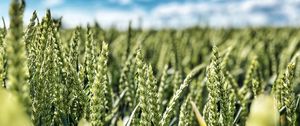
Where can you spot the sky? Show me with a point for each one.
(166, 13)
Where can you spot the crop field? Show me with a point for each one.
(90, 76)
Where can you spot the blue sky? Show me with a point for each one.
(166, 13)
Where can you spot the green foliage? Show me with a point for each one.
(50, 75)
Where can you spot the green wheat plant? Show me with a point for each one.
(51, 75)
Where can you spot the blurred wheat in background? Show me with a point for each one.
(93, 76)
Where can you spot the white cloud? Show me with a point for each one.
(74, 17)
(51, 3)
(224, 14)
(216, 14)
(122, 2)
(119, 18)
(106, 18)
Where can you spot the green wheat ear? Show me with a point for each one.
(142, 88)
(29, 33)
(57, 89)
(288, 99)
(16, 56)
(283, 92)
(39, 84)
(152, 96)
(174, 100)
(185, 112)
(126, 82)
(88, 71)
(214, 86)
(161, 89)
(250, 75)
(99, 88)
(73, 50)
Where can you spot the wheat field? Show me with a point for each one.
(91, 76)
